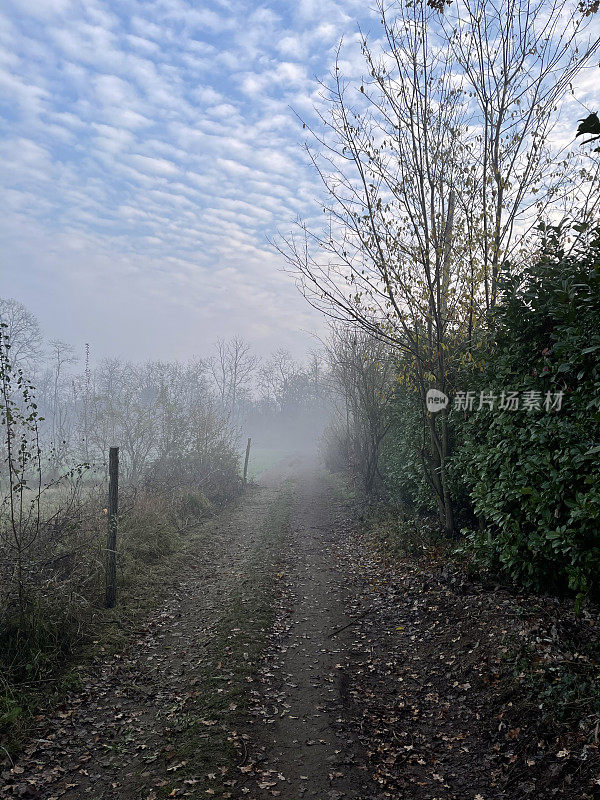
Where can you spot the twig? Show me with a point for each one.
(8, 754)
(245, 758)
(343, 628)
(354, 622)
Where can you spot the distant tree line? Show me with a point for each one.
(159, 412)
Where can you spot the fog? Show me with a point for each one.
(159, 411)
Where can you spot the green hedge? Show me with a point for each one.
(533, 475)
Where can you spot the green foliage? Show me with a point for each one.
(403, 468)
(193, 506)
(558, 674)
(10, 711)
(533, 473)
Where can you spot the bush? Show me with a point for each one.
(148, 532)
(533, 474)
(192, 507)
(405, 480)
(214, 473)
(335, 447)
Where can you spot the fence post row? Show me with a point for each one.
(113, 509)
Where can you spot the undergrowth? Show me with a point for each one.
(65, 620)
(557, 675)
(555, 672)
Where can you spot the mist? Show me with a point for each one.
(156, 408)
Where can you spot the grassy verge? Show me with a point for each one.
(68, 630)
(205, 738)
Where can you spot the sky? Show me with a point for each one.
(149, 149)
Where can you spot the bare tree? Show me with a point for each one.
(62, 356)
(393, 257)
(23, 333)
(232, 368)
(518, 60)
(276, 376)
(363, 371)
(124, 411)
(26, 524)
(423, 210)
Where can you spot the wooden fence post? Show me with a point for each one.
(246, 462)
(113, 509)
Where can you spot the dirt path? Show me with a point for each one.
(303, 746)
(148, 712)
(173, 714)
(295, 661)
(394, 678)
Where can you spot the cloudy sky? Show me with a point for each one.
(148, 149)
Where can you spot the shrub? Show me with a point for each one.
(534, 477)
(335, 447)
(148, 531)
(402, 466)
(192, 507)
(215, 473)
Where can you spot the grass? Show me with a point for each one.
(68, 628)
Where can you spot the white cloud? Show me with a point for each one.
(292, 47)
(29, 97)
(290, 73)
(152, 151)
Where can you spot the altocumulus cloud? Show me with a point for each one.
(148, 150)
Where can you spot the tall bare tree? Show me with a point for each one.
(362, 369)
(24, 334)
(517, 61)
(232, 368)
(424, 207)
